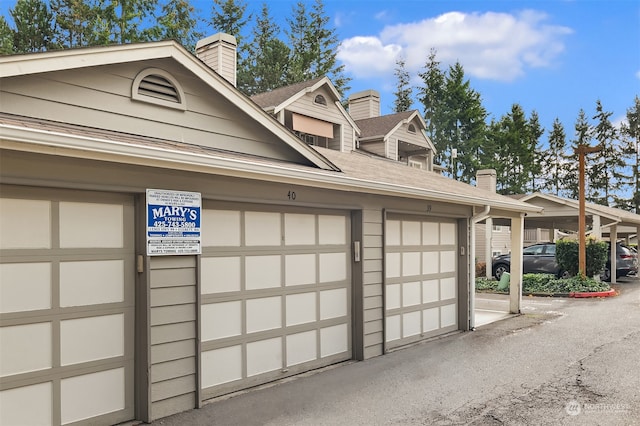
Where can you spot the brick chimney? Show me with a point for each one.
(365, 104)
(486, 179)
(219, 53)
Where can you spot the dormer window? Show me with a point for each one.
(320, 100)
(411, 128)
(158, 87)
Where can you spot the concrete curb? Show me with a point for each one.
(608, 293)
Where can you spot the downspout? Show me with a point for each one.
(472, 270)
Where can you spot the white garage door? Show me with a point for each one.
(66, 307)
(421, 278)
(275, 291)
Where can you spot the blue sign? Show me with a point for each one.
(173, 222)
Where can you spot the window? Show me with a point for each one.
(496, 228)
(320, 100)
(415, 164)
(411, 128)
(158, 87)
(496, 253)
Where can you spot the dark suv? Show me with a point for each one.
(541, 259)
(538, 258)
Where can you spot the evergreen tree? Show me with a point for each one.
(228, 16)
(313, 45)
(534, 169)
(607, 172)
(583, 136)
(631, 132)
(552, 160)
(403, 93)
(6, 37)
(515, 151)
(177, 21)
(34, 26)
(123, 21)
(74, 19)
(267, 58)
(431, 96)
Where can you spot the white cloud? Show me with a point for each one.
(496, 46)
(367, 56)
(638, 75)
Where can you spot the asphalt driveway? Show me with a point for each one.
(563, 361)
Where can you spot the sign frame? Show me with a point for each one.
(173, 221)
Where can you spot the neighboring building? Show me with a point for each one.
(399, 137)
(313, 111)
(310, 256)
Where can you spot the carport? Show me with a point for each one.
(562, 213)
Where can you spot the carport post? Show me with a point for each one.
(613, 253)
(515, 283)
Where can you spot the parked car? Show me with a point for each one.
(541, 259)
(538, 258)
(626, 262)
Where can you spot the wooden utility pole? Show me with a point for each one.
(582, 225)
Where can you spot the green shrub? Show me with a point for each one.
(547, 284)
(568, 259)
(485, 284)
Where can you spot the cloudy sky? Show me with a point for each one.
(552, 56)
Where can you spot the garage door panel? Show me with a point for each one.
(25, 224)
(66, 305)
(38, 398)
(288, 310)
(25, 287)
(421, 278)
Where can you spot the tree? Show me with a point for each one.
(74, 19)
(606, 173)
(177, 21)
(266, 64)
(583, 136)
(514, 151)
(430, 95)
(631, 132)
(6, 37)
(552, 160)
(34, 26)
(534, 169)
(313, 47)
(228, 16)
(403, 93)
(123, 21)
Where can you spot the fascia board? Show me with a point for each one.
(83, 147)
(96, 56)
(569, 203)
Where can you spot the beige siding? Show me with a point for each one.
(173, 334)
(103, 95)
(500, 242)
(372, 271)
(417, 138)
(377, 148)
(343, 130)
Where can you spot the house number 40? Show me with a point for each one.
(291, 195)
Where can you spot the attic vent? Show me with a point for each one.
(412, 128)
(320, 100)
(158, 87)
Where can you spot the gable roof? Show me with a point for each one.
(19, 65)
(383, 126)
(282, 97)
(360, 173)
(278, 96)
(613, 216)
